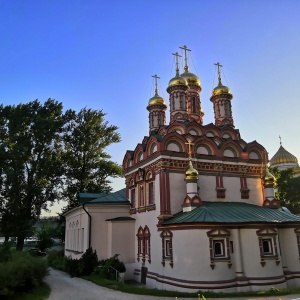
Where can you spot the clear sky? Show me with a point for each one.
(102, 54)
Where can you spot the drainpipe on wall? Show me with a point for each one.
(90, 223)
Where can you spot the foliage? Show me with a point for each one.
(5, 254)
(87, 165)
(41, 292)
(22, 273)
(108, 267)
(88, 262)
(47, 155)
(45, 235)
(30, 163)
(288, 188)
(75, 267)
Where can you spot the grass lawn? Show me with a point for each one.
(141, 290)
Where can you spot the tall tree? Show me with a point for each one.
(288, 188)
(30, 162)
(87, 165)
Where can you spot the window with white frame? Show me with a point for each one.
(219, 246)
(268, 248)
(167, 247)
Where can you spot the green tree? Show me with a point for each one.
(87, 165)
(45, 235)
(288, 188)
(30, 164)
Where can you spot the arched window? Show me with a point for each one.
(153, 148)
(167, 247)
(144, 246)
(194, 105)
(254, 155)
(229, 152)
(204, 149)
(174, 146)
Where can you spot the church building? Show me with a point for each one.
(198, 211)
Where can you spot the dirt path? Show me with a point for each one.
(63, 287)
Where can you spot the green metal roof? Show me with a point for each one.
(118, 197)
(232, 212)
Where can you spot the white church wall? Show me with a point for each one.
(121, 240)
(255, 193)
(76, 237)
(252, 263)
(99, 234)
(207, 185)
(177, 191)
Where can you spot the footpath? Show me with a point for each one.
(63, 287)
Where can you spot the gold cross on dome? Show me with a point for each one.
(189, 143)
(177, 62)
(185, 49)
(219, 66)
(155, 78)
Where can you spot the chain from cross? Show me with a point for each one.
(185, 49)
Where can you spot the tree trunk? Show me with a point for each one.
(6, 238)
(20, 243)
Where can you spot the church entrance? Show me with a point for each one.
(144, 275)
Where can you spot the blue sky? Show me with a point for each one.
(102, 54)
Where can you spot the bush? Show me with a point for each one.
(88, 262)
(5, 254)
(107, 268)
(75, 267)
(22, 273)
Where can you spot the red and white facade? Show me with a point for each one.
(189, 170)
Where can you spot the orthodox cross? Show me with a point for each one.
(185, 49)
(219, 72)
(189, 143)
(280, 140)
(156, 89)
(177, 67)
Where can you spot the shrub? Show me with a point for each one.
(107, 268)
(5, 254)
(88, 262)
(22, 273)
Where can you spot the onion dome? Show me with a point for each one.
(191, 173)
(156, 100)
(282, 156)
(269, 178)
(191, 78)
(220, 89)
(178, 80)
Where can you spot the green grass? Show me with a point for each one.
(140, 290)
(40, 293)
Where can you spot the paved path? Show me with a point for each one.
(63, 287)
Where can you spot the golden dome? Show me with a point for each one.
(282, 156)
(269, 178)
(191, 173)
(191, 78)
(220, 89)
(178, 80)
(157, 100)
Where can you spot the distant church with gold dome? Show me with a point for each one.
(283, 160)
(198, 211)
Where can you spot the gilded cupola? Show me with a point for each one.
(282, 156)
(156, 99)
(220, 89)
(177, 80)
(269, 178)
(191, 173)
